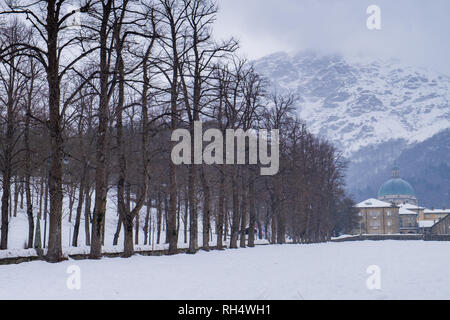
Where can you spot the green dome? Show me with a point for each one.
(396, 186)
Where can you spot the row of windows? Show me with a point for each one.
(376, 224)
(374, 214)
(432, 215)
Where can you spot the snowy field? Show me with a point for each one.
(409, 270)
(18, 231)
(18, 226)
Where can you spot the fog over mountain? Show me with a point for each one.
(413, 31)
(375, 111)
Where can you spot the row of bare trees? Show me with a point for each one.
(88, 108)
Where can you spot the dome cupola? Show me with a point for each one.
(396, 189)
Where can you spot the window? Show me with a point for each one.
(389, 213)
(389, 223)
(360, 214)
(374, 214)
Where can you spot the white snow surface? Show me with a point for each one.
(373, 203)
(403, 210)
(18, 231)
(426, 223)
(409, 270)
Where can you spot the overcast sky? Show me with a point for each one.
(415, 31)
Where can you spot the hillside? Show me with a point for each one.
(375, 112)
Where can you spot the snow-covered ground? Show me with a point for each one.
(408, 270)
(18, 226)
(18, 230)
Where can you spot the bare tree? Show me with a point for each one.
(13, 85)
(104, 13)
(50, 25)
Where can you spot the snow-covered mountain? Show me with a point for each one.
(357, 104)
(375, 112)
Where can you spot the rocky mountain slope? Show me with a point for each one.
(373, 110)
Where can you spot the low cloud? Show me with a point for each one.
(414, 31)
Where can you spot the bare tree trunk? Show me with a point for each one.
(8, 150)
(158, 219)
(123, 186)
(206, 209)
(252, 212)
(72, 189)
(235, 216)
(178, 215)
(259, 223)
(281, 225)
(16, 194)
(186, 214)
(29, 201)
(83, 182)
(37, 236)
(171, 214)
(147, 220)
(221, 213)
(193, 214)
(165, 219)
(267, 223)
(136, 230)
(274, 229)
(6, 188)
(128, 237)
(46, 213)
(117, 233)
(101, 179)
(28, 159)
(22, 192)
(243, 210)
(11, 204)
(87, 216)
(54, 251)
(76, 228)
(225, 218)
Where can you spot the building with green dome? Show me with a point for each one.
(396, 211)
(396, 190)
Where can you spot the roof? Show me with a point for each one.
(411, 206)
(403, 210)
(426, 223)
(437, 211)
(396, 186)
(374, 203)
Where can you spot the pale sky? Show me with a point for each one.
(414, 31)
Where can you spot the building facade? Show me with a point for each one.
(377, 217)
(408, 220)
(434, 214)
(442, 227)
